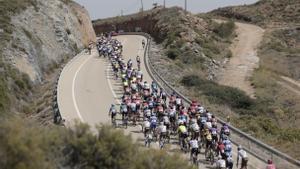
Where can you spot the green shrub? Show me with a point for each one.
(191, 80)
(27, 145)
(219, 94)
(233, 97)
(224, 30)
(229, 54)
(173, 53)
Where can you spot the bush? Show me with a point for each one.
(224, 30)
(233, 97)
(191, 80)
(218, 94)
(173, 53)
(27, 145)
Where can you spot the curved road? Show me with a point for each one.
(86, 89)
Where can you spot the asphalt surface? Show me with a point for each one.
(87, 88)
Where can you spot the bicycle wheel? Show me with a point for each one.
(211, 157)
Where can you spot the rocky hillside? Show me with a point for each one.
(36, 36)
(265, 12)
(188, 40)
(45, 33)
(277, 79)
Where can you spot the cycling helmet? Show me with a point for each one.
(208, 137)
(180, 122)
(270, 161)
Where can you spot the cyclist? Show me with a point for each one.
(221, 148)
(214, 133)
(138, 61)
(194, 147)
(143, 43)
(112, 112)
(221, 163)
(270, 165)
(242, 154)
(166, 121)
(209, 144)
(229, 162)
(162, 129)
(146, 86)
(153, 122)
(178, 102)
(182, 132)
(146, 126)
(195, 129)
(163, 95)
(123, 110)
(154, 87)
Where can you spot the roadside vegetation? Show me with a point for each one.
(14, 85)
(277, 121)
(264, 11)
(27, 145)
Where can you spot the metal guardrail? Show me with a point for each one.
(255, 147)
(57, 118)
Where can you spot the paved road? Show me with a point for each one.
(86, 89)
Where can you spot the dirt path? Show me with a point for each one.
(240, 67)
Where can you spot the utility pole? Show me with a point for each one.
(121, 12)
(164, 3)
(142, 6)
(185, 6)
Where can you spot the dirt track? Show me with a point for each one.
(238, 70)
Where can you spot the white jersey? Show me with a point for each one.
(172, 112)
(242, 154)
(178, 101)
(146, 86)
(166, 119)
(163, 128)
(147, 124)
(148, 112)
(133, 86)
(221, 163)
(208, 125)
(194, 144)
(209, 115)
(195, 127)
(201, 109)
(139, 74)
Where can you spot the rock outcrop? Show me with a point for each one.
(46, 33)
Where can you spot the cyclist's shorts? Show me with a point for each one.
(153, 125)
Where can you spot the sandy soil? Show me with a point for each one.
(238, 70)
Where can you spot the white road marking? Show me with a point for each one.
(73, 88)
(110, 85)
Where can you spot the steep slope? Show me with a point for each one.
(189, 40)
(265, 12)
(277, 78)
(45, 34)
(37, 36)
